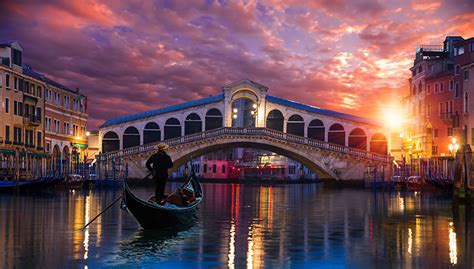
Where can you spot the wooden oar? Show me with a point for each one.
(109, 206)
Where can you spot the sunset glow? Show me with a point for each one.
(330, 54)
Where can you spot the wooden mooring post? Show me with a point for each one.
(463, 189)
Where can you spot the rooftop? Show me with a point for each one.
(155, 112)
(321, 111)
(27, 70)
(220, 97)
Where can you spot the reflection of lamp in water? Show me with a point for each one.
(453, 253)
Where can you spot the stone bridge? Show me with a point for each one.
(329, 161)
(330, 143)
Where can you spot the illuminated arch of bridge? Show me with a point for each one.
(245, 106)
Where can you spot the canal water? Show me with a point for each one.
(241, 226)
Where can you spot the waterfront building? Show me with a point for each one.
(65, 126)
(21, 114)
(464, 85)
(40, 118)
(434, 105)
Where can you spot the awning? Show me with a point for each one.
(30, 100)
(79, 145)
(7, 152)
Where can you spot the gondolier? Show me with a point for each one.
(158, 164)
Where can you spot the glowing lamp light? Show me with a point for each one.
(252, 112)
(235, 110)
(453, 146)
(254, 106)
(88, 133)
(234, 116)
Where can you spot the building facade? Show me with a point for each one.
(434, 105)
(65, 126)
(42, 121)
(464, 85)
(21, 114)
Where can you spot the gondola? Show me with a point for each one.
(151, 215)
(20, 185)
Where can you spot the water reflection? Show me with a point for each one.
(242, 226)
(453, 253)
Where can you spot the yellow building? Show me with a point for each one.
(21, 114)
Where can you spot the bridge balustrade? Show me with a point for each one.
(249, 131)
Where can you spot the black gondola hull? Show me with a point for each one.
(153, 216)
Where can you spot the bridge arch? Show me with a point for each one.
(337, 134)
(316, 165)
(358, 139)
(316, 130)
(151, 133)
(275, 120)
(110, 142)
(379, 144)
(172, 128)
(295, 125)
(131, 137)
(213, 119)
(192, 124)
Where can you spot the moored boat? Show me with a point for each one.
(151, 215)
(20, 185)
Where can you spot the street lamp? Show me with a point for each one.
(453, 146)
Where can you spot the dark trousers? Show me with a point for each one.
(160, 185)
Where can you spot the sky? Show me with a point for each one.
(131, 56)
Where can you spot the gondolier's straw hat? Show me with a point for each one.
(161, 146)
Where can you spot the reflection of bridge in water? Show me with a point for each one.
(333, 144)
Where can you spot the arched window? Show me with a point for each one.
(131, 137)
(337, 135)
(378, 144)
(316, 130)
(110, 142)
(358, 139)
(192, 124)
(295, 125)
(172, 128)
(213, 119)
(243, 113)
(66, 153)
(151, 133)
(275, 120)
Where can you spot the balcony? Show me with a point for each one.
(32, 120)
(447, 116)
(435, 48)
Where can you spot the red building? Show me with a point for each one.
(463, 83)
(434, 104)
(219, 169)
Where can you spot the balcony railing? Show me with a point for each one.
(32, 119)
(439, 48)
(261, 132)
(446, 115)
